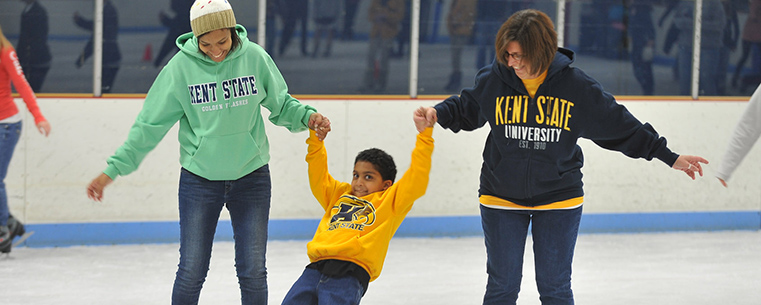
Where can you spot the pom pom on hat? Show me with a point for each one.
(210, 15)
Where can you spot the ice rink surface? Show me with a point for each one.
(685, 268)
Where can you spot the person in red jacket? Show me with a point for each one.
(10, 130)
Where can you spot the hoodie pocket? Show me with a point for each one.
(336, 243)
(507, 178)
(225, 156)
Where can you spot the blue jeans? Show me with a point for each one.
(201, 201)
(9, 135)
(554, 233)
(315, 288)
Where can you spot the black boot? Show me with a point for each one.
(15, 227)
(6, 239)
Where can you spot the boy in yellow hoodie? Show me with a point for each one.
(351, 242)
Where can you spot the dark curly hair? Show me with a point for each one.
(381, 161)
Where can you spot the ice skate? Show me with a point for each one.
(6, 238)
(15, 227)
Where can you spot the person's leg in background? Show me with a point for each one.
(9, 136)
(350, 7)
(383, 65)
(753, 78)
(723, 66)
(485, 34)
(109, 75)
(642, 66)
(457, 43)
(35, 76)
(684, 60)
(741, 62)
(709, 71)
(368, 83)
(288, 17)
(303, 12)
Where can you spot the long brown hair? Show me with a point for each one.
(534, 32)
(3, 41)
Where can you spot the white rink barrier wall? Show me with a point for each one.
(47, 177)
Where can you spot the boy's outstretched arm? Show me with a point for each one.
(413, 184)
(324, 187)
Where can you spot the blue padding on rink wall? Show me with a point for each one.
(62, 235)
(666, 222)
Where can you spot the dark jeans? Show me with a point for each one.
(201, 201)
(554, 234)
(314, 287)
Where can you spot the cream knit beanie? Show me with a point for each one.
(210, 15)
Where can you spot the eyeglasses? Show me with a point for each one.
(515, 56)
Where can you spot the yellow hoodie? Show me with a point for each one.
(356, 229)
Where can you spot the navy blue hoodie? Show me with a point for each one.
(531, 156)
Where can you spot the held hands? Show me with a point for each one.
(424, 117)
(95, 189)
(44, 128)
(689, 165)
(320, 124)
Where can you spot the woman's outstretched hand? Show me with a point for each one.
(320, 124)
(95, 189)
(690, 165)
(424, 117)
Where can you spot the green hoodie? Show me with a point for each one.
(221, 134)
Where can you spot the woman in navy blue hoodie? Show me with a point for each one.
(537, 107)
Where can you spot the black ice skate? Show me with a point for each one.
(14, 230)
(16, 227)
(6, 238)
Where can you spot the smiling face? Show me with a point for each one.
(216, 44)
(515, 59)
(367, 180)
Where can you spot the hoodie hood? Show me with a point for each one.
(188, 44)
(563, 59)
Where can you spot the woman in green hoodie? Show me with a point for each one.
(215, 87)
